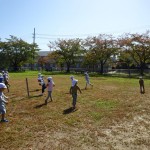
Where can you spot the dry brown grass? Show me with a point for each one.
(113, 115)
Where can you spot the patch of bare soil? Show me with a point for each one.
(132, 133)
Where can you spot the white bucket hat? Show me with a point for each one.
(49, 78)
(72, 77)
(2, 86)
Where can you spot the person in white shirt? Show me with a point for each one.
(72, 78)
(87, 78)
(49, 86)
(41, 82)
(3, 102)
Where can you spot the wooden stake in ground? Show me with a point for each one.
(27, 86)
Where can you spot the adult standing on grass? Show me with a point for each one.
(3, 102)
(87, 78)
(141, 83)
(73, 91)
(49, 86)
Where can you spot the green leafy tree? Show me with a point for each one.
(42, 61)
(138, 47)
(4, 59)
(69, 50)
(89, 60)
(125, 57)
(17, 52)
(101, 48)
(54, 57)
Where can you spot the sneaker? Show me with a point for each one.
(4, 120)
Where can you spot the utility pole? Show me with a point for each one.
(32, 65)
(34, 36)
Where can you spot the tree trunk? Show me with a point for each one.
(102, 68)
(68, 68)
(141, 71)
(93, 68)
(129, 72)
(15, 67)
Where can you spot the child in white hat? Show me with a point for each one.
(41, 82)
(39, 77)
(49, 86)
(6, 77)
(73, 90)
(87, 78)
(3, 102)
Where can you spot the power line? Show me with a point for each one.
(45, 38)
(90, 34)
(66, 35)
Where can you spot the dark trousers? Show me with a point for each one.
(43, 88)
(74, 101)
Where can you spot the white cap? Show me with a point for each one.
(49, 78)
(71, 77)
(2, 85)
(140, 77)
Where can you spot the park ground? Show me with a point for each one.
(113, 115)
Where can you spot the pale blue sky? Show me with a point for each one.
(71, 18)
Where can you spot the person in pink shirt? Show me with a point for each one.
(49, 86)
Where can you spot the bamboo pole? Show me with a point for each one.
(27, 86)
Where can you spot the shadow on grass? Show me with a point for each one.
(35, 90)
(67, 93)
(69, 110)
(40, 105)
(35, 96)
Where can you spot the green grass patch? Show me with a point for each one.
(97, 115)
(106, 104)
(110, 99)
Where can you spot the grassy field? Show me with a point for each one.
(111, 116)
